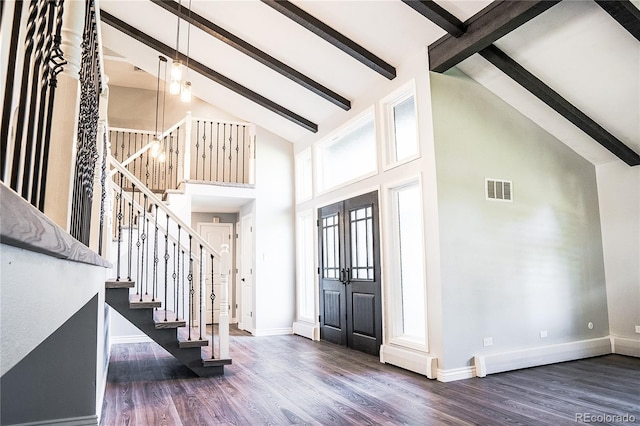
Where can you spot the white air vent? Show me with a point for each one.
(499, 190)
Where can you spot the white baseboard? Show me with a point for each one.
(135, 338)
(273, 331)
(305, 329)
(625, 346)
(541, 355)
(454, 374)
(418, 362)
(72, 421)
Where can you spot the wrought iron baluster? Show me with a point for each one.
(155, 257)
(212, 296)
(145, 232)
(39, 142)
(201, 279)
(103, 191)
(171, 161)
(133, 189)
(224, 147)
(119, 216)
(244, 153)
(178, 287)
(135, 149)
(197, 145)
(237, 150)
(174, 261)
(210, 151)
(166, 268)
(56, 63)
(204, 149)
(177, 155)
(138, 264)
(23, 102)
(217, 149)
(147, 174)
(8, 95)
(191, 291)
(181, 287)
(230, 147)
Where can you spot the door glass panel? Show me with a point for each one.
(330, 247)
(361, 227)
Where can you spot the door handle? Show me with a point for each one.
(342, 276)
(347, 276)
(242, 279)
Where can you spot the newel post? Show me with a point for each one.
(187, 147)
(223, 321)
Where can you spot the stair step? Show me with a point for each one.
(215, 362)
(147, 302)
(159, 316)
(112, 283)
(184, 342)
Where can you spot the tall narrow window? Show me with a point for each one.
(303, 176)
(347, 156)
(305, 266)
(402, 129)
(409, 292)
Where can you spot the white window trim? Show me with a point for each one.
(339, 133)
(386, 108)
(391, 270)
(300, 251)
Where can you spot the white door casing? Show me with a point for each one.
(245, 318)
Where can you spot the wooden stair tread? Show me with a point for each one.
(112, 283)
(208, 362)
(159, 319)
(147, 302)
(184, 342)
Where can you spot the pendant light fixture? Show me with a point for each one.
(176, 65)
(185, 91)
(162, 155)
(155, 144)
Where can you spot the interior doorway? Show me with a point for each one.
(245, 284)
(350, 279)
(216, 234)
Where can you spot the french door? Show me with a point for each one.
(349, 250)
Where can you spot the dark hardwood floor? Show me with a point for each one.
(292, 380)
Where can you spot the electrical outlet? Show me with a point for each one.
(543, 334)
(487, 341)
(638, 329)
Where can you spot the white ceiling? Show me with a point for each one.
(574, 47)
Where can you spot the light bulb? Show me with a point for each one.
(155, 148)
(174, 87)
(162, 157)
(185, 93)
(176, 70)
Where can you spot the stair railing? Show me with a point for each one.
(172, 262)
(198, 150)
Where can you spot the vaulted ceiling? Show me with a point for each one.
(293, 67)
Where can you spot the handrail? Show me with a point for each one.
(155, 200)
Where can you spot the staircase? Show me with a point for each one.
(162, 266)
(148, 317)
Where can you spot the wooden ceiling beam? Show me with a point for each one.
(625, 13)
(550, 97)
(253, 52)
(207, 72)
(332, 36)
(438, 15)
(483, 28)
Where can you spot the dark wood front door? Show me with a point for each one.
(350, 295)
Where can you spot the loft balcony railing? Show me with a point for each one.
(196, 150)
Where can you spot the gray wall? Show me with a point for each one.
(511, 270)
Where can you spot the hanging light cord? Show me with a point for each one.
(164, 93)
(158, 96)
(188, 37)
(178, 32)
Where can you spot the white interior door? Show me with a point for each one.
(245, 317)
(238, 289)
(215, 234)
